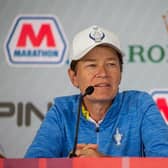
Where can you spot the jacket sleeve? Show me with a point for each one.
(154, 130)
(48, 140)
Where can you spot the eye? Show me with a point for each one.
(111, 63)
(91, 65)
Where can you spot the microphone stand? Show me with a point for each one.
(89, 90)
(73, 154)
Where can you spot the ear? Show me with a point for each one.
(73, 77)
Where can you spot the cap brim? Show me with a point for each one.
(82, 54)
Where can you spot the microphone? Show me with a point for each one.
(89, 90)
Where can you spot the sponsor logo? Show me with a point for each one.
(36, 40)
(144, 54)
(155, 53)
(22, 112)
(161, 99)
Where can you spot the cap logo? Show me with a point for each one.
(97, 35)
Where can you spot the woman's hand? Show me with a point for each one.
(88, 150)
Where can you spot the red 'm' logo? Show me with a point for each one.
(27, 32)
(161, 99)
(163, 107)
(36, 41)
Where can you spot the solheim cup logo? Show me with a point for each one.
(36, 40)
(165, 18)
(96, 34)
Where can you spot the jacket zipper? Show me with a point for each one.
(97, 134)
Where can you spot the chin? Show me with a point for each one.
(102, 98)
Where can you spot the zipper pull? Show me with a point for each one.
(97, 128)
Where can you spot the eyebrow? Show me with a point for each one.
(88, 59)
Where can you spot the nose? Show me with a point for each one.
(101, 72)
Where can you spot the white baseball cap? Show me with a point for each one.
(91, 37)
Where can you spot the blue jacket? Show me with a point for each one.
(133, 117)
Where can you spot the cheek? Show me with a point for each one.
(80, 79)
(119, 79)
(116, 78)
(84, 79)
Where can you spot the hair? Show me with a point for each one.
(74, 63)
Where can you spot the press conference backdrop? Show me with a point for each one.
(35, 37)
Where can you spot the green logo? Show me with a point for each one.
(140, 54)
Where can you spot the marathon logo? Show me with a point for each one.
(161, 99)
(36, 40)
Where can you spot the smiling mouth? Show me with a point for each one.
(102, 85)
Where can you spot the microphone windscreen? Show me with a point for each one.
(89, 90)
